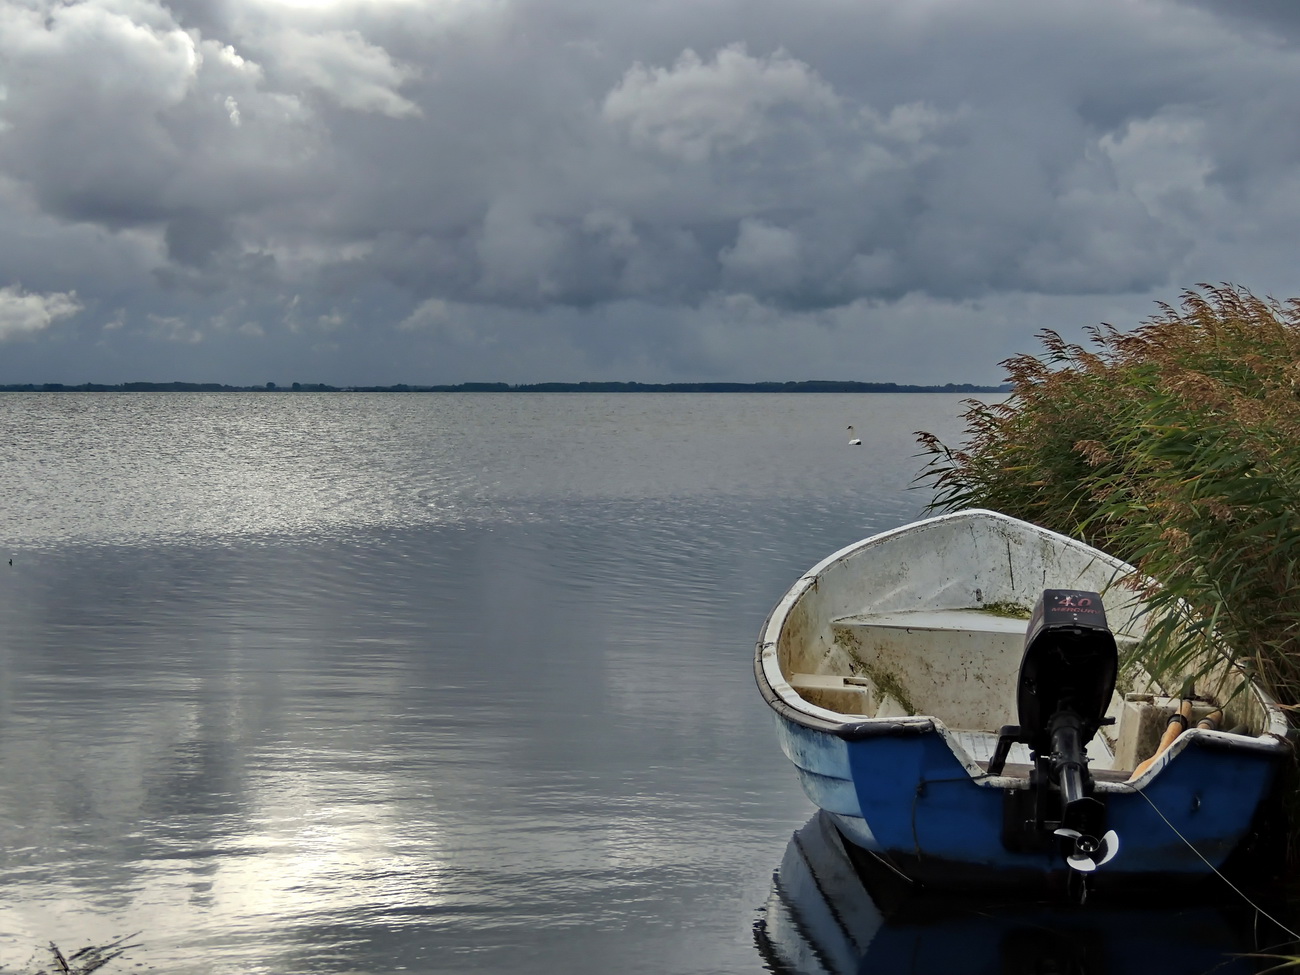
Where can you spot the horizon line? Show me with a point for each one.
(612, 386)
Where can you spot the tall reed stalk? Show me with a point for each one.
(1176, 447)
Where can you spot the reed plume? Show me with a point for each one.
(1175, 446)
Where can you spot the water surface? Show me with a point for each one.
(451, 683)
(438, 682)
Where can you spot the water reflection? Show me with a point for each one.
(143, 468)
(823, 918)
(457, 750)
(349, 684)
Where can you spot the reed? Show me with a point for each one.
(1175, 446)
(85, 960)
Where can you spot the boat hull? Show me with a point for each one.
(908, 789)
(905, 796)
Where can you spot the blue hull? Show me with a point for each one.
(904, 795)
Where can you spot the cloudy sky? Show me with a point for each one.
(430, 191)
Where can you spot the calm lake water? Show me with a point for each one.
(423, 682)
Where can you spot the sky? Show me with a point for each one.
(444, 191)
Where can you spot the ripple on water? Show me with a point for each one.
(349, 683)
(132, 468)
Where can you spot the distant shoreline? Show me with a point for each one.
(807, 386)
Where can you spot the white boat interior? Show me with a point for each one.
(932, 623)
(961, 666)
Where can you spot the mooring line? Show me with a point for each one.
(1240, 893)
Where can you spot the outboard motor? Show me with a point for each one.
(1067, 677)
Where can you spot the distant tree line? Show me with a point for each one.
(807, 386)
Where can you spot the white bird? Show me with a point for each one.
(853, 441)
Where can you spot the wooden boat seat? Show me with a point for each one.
(1020, 771)
(969, 620)
(847, 695)
(972, 620)
(980, 745)
(953, 663)
(958, 664)
(857, 696)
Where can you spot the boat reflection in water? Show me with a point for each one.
(826, 917)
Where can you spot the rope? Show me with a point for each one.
(1239, 892)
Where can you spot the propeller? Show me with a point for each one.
(1089, 853)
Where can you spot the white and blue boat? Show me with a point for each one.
(957, 695)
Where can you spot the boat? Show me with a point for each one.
(959, 695)
(823, 917)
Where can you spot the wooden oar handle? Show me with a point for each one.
(1177, 724)
(1211, 721)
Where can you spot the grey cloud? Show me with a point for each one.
(697, 157)
(613, 183)
(23, 313)
(357, 74)
(695, 111)
(193, 238)
(1279, 18)
(122, 119)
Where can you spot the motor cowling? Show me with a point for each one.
(1069, 664)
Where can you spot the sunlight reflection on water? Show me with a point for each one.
(450, 683)
(127, 468)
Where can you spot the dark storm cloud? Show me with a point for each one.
(458, 190)
(1280, 18)
(193, 238)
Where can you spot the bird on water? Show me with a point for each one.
(853, 441)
